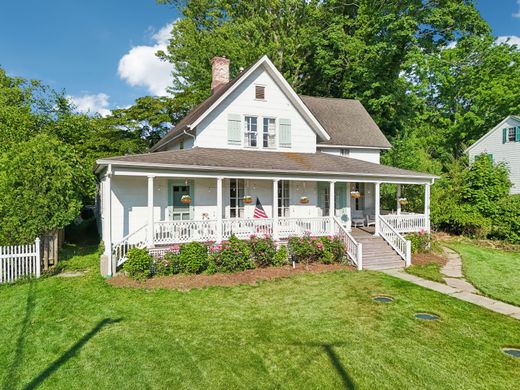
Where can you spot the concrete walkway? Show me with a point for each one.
(453, 273)
(460, 293)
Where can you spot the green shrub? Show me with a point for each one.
(263, 250)
(230, 256)
(139, 264)
(163, 267)
(421, 242)
(507, 225)
(192, 258)
(307, 249)
(333, 250)
(281, 257)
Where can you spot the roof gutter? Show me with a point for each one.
(160, 145)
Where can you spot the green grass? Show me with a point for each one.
(309, 331)
(431, 271)
(494, 272)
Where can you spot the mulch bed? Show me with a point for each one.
(187, 282)
(427, 258)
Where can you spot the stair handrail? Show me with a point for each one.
(121, 248)
(401, 245)
(354, 249)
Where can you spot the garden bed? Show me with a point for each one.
(251, 277)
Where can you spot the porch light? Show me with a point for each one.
(355, 194)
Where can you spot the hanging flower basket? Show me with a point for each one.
(403, 201)
(248, 199)
(355, 194)
(186, 199)
(304, 200)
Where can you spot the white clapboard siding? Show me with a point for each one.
(19, 261)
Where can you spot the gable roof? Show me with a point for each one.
(196, 115)
(477, 142)
(252, 161)
(347, 122)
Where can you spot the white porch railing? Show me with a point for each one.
(136, 239)
(18, 261)
(407, 223)
(354, 249)
(177, 232)
(244, 228)
(396, 241)
(316, 226)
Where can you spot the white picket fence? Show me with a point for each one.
(19, 261)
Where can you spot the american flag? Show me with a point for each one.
(259, 210)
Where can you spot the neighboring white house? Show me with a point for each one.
(502, 144)
(301, 156)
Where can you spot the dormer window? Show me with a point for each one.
(259, 92)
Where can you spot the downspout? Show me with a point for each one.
(189, 135)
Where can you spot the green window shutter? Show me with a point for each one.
(504, 136)
(517, 135)
(490, 155)
(234, 129)
(285, 133)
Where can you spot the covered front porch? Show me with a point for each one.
(162, 208)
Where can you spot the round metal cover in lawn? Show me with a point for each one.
(514, 352)
(426, 316)
(381, 298)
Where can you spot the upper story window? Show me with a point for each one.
(511, 134)
(269, 134)
(251, 131)
(259, 92)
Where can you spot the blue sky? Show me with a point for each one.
(101, 51)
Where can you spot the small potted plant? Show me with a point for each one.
(185, 199)
(403, 201)
(355, 194)
(304, 200)
(248, 199)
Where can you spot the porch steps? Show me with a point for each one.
(377, 253)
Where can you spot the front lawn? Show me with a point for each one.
(494, 272)
(307, 331)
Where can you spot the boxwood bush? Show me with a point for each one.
(139, 264)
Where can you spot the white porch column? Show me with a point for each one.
(275, 209)
(150, 232)
(377, 211)
(398, 196)
(107, 229)
(332, 205)
(427, 206)
(219, 209)
(349, 207)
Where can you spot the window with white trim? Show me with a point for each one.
(511, 134)
(283, 198)
(251, 131)
(236, 198)
(269, 134)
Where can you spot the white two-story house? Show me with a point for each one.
(502, 144)
(311, 162)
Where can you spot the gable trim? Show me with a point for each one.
(485, 136)
(286, 88)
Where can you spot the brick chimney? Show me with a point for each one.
(219, 72)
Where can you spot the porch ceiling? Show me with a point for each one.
(204, 159)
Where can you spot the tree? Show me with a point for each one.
(41, 188)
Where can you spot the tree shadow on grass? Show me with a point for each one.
(12, 374)
(71, 352)
(334, 359)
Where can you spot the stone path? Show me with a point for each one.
(459, 292)
(453, 272)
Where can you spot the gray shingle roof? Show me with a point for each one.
(346, 121)
(262, 161)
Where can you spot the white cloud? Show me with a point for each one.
(96, 103)
(517, 13)
(510, 40)
(141, 67)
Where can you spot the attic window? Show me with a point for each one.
(259, 92)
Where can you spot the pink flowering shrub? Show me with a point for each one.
(421, 241)
(231, 256)
(308, 249)
(263, 250)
